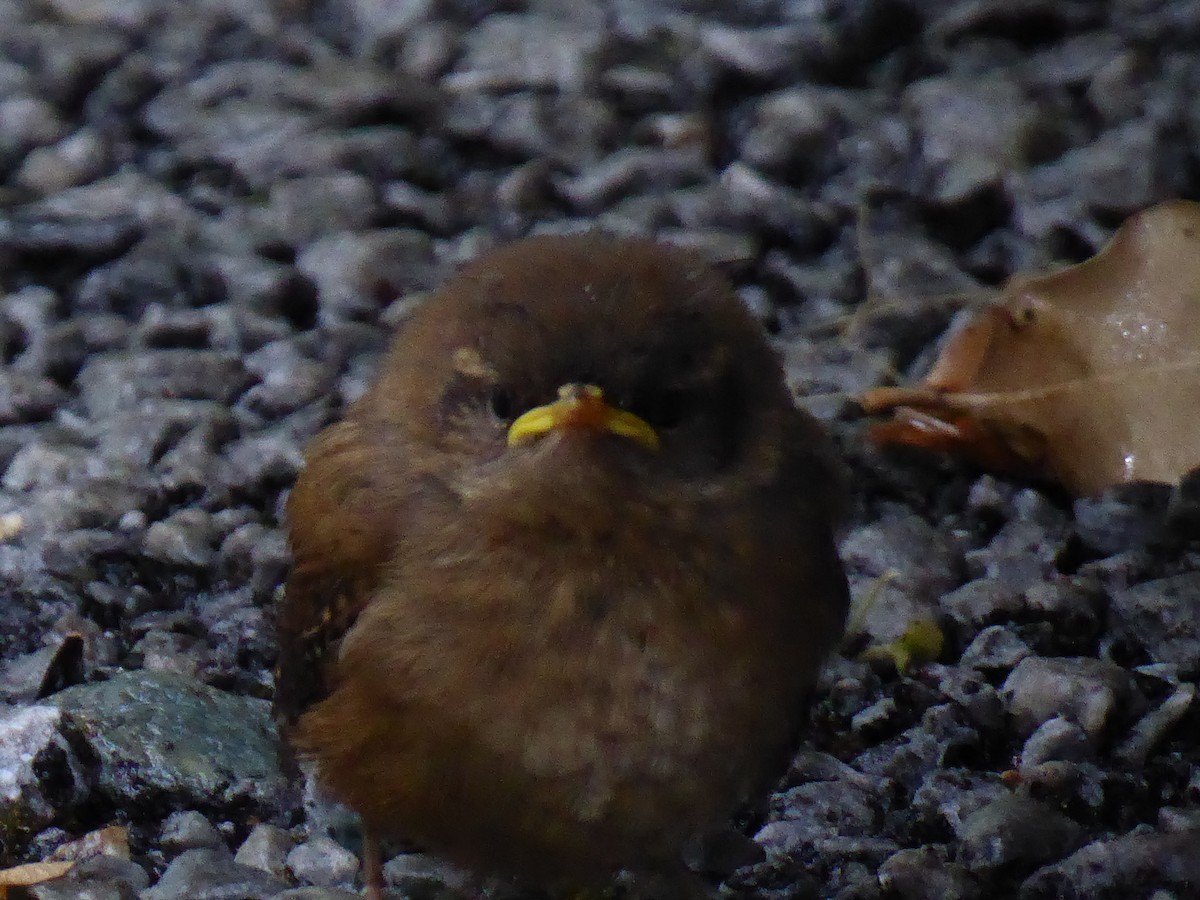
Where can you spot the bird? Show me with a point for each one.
(564, 576)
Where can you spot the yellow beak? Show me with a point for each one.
(581, 406)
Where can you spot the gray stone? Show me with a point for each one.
(111, 382)
(30, 796)
(323, 862)
(1095, 694)
(1121, 867)
(1074, 606)
(77, 158)
(164, 651)
(756, 201)
(256, 555)
(303, 209)
(185, 538)
(768, 52)
(161, 737)
(38, 465)
(358, 274)
(876, 716)
(266, 848)
(1161, 619)
(506, 52)
(288, 380)
(631, 170)
(27, 398)
(208, 874)
(1055, 739)
(1016, 830)
(924, 873)
(790, 131)
(905, 562)
(719, 246)
(809, 813)
(995, 649)
(27, 121)
(188, 830)
(949, 796)
(911, 756)
(262, 460)
(975, 695)
(973, 130)
(96, 878)
(982, 600)
(1123, 516)
(143, 433)
(1154, 727)
(421, 876)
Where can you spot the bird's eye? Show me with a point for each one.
(664, 409)
(501, 404)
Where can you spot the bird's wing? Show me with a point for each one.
(343, 523)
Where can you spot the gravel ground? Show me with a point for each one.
(214, 212)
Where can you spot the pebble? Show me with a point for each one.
(323, 862)
(1094, 694)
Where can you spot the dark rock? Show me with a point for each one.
(809, 813)
(27, 398)
(1055, 739)
(506, 52)
(209, 874)
(909, 758)
(983, 600)
(629, 170)
(1161, 620)
(925, 873)
(97, 878)
(919, 562)
(39, 772)
(358, 274)
(995, 648)
(1135, 862)
(1124, 516)
(1156, 725)
(162, 739)
(188, 830)
(424, 877)
(111, 382)
(1018, 831)
(1095, 694)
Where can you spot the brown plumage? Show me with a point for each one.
(562, 647)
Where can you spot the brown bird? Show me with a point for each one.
(564, 576)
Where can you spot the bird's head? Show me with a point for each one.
(584, 364)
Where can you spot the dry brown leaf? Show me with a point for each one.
(31, 874)
(1090, 375)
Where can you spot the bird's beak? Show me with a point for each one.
(581, 406)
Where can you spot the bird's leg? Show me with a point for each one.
(372, 865)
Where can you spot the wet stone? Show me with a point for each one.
(160, 737)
